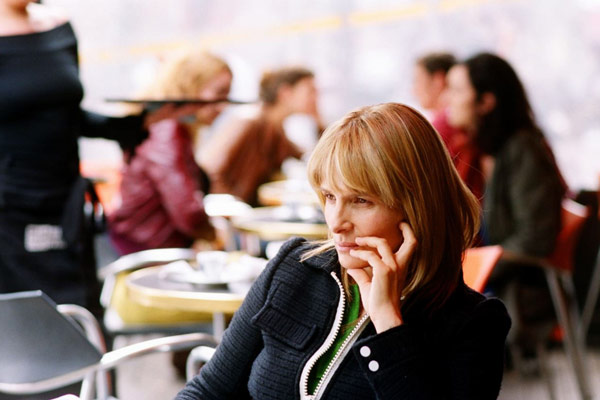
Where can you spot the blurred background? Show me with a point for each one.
(362, 51)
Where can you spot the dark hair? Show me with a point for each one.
(512, 112)
(437, 62)
(272, 80)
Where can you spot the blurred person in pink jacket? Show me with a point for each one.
(162, 188)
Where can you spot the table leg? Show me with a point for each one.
(218, 325)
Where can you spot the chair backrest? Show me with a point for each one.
(133, 261)
(573, 216)
(478, 263)
(145, 258)
(37, 342)
(107, 180)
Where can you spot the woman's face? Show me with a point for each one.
(303, 97)
(16, 4)
(461, 98)
(217, 88)
(350, 215)
(423, 87)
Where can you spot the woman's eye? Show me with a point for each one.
(360, 200)
(329, 196)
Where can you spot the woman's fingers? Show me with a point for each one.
(382, 246)
(360, 276)
(369, 256)
(363, 280)
(408, 247)
(380, 271)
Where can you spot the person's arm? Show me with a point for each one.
(474, 364)
(223, 158)
(128, 131)
(226, 375)
(535, 198)
(179, 189)
(287, 149)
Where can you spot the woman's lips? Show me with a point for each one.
(345, 247)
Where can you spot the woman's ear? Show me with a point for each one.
(487, 103)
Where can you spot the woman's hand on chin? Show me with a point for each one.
(381, 289)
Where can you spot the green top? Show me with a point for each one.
(351, 312)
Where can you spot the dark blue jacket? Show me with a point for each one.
(457, 353)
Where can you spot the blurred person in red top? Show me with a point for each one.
(429, 87)
(251, 148)
(162, 188)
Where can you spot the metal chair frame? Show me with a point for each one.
(558, 268)
(93, 376)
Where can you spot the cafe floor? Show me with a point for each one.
(154, 378)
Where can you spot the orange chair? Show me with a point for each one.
(106, 178)
(478, 263)
(558, 268)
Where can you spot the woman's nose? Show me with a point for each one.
(338, 221)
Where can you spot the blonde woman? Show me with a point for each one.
(162, 188)
(380, 311)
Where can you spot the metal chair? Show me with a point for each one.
(197, 357)
(558, 268)
(45, 347)
(478, 263)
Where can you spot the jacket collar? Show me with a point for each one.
(327, 261)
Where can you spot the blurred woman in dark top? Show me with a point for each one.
(524, 188)
(162, 189)
(45, 242)
(429, 88)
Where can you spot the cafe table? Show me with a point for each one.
(278, 223)
(147, 287)
(281, 192)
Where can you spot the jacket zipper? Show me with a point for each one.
(329, 341)
(339, 357)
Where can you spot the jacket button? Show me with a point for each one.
(373, 366)
(365, 351)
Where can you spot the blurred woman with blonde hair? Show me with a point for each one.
(380, 310)
(162, 187)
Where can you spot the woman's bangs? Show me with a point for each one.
(352, 159)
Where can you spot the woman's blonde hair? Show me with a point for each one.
(392, 152)
(185, 74)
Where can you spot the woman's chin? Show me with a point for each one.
(349, 262)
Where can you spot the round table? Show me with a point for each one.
(291, 190)
(282, 222)
(146, 287)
